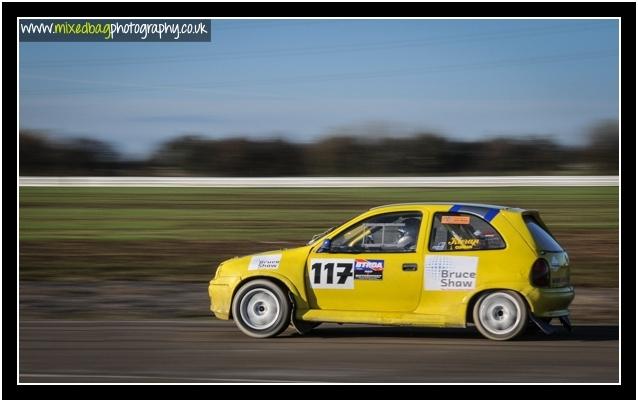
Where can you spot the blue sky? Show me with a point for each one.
(304, 79)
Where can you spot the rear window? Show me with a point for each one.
(544, 240)
(454, 231)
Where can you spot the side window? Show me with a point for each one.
(395, 232)
(453, 231)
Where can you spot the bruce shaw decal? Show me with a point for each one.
(265, 262)
(443, 272)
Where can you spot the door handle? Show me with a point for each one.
(409, 267)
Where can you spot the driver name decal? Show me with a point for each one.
(443, 272)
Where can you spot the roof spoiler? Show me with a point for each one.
(537, 217)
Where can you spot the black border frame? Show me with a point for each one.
(625, 10)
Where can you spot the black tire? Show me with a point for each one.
(261, 309)
(500, 315)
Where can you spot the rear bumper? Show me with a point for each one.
(550, 302)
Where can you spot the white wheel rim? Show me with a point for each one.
(500, 313)
(259, 308)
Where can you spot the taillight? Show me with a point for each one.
(540, 273)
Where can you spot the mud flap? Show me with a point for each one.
(297, 327)
(566, 323)
(545, 327)
(293, 320)
(300, 327)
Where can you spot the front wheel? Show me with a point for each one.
(500, 315)
(261, 309)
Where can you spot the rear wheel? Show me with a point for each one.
(261, 309)
(500, 315)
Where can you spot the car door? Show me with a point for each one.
(373, 265)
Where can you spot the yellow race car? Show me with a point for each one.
(421, 264)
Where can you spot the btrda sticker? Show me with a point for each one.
(444, 272)
(368, 269)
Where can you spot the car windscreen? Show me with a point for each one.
(543, 239)
(318, 235)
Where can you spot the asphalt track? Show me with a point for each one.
(213, 351)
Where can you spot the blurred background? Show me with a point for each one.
(298, 97)
(423, 154)
(302, 98)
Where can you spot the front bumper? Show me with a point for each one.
(220, 292)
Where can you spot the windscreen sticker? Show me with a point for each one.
(455, 219)
(265, 262)
(443, 272)
(331, 273)
(440, 246)
(368, 269)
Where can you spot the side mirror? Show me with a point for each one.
(325, 246)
